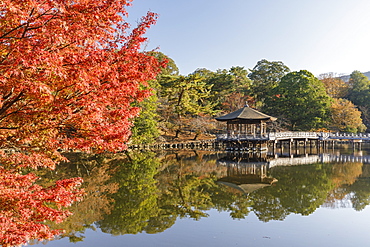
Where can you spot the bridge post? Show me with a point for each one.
(274, 146)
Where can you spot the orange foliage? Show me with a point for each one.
(70, 73)
(25, 206)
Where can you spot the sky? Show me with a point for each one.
(320, 36)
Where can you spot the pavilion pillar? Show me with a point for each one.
(228, 129)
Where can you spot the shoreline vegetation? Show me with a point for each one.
(182, 107)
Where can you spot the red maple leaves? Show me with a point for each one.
(70, 73)
(26, 205)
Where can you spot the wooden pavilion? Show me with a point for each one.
(246, 121)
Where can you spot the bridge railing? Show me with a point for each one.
(362, 136)
(295, 135)
(292, 134)
(268, 136)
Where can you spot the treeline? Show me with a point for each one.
(300, 101)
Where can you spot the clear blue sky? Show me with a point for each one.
(317, 35)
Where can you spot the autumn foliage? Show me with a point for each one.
(71, 72)
(26, 205)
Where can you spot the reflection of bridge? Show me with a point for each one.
(320, 158)
(294, 160)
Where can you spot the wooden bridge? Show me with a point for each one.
(292, 135)
(260, 142)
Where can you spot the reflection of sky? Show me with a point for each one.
(325, 227)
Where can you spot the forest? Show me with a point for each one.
(301, 102)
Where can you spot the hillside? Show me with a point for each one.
(346, 77)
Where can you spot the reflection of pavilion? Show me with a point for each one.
(246, 174)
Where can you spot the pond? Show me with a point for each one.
(204, 198)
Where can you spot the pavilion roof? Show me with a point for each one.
(246, 113)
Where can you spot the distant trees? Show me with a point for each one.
(359, 92)
(226, 83)
(186, 101)
(335, 87)
(185, 97)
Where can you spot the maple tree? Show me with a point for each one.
(25, 206)
(70, 74)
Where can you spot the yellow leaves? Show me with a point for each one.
(335, 87)
(345, 116)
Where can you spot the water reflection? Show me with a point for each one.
(147, 192)
(246, 172)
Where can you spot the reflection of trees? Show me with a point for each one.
(154, 192)
(189, 189)
(360, 196)
(151, 197)
(136, 200)
(301, 189)
(96, 173)
(343, 175)
(358, 188)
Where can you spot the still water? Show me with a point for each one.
(201, 198)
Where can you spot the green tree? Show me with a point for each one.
(265, 76)
(145, 129)
(170, 68)
(146, 125)
(301, 100)
(184, 97)
(359, 92)
(228, 82)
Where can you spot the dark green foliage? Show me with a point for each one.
(226, 83)
(265, 76)
(359, 92)
(301, 100)
(145, 128)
